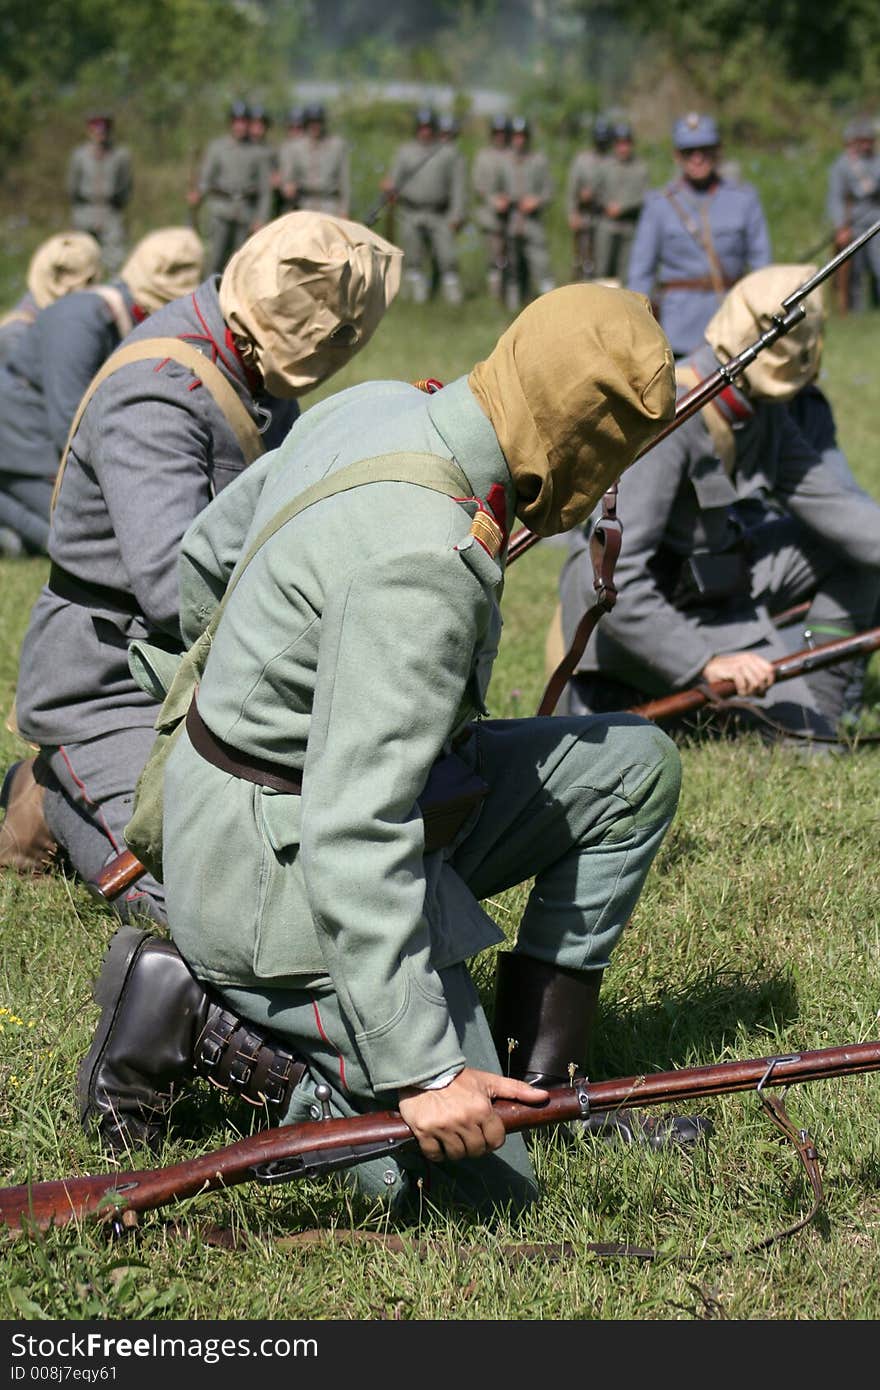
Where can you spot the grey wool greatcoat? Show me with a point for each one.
(41, 385)
(814, 533)
(357, 645)
(151, 451)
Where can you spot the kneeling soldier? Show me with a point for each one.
(319, 880)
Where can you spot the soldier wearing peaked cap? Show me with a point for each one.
(56, 358)
(344, 919)
(737, 516)
(853, 204)
(99, 185)
(234, 178)
(191, 399)
(696, 237)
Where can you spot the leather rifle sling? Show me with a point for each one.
(605, 543)
(223, 392)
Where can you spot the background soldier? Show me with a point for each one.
(296, 129)
(853, 205)
(258, 135)
(620, 187)
(486, 181)
(580, 200)
(697, 236)
(99, 184)
(235, 180)
(427, 182)
(527, 190)
(314, 167)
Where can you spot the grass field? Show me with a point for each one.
(757, 933)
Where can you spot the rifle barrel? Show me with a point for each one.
(785, 667)
(315, 1146)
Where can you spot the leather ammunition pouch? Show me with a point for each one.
(706, 579)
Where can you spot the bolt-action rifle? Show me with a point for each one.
(785, 667)
(391, 195)
(288, 1152)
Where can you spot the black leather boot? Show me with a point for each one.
(159, 1027)
(544, 1019)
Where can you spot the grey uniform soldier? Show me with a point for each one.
(314, 170)
(152, 448)
(235, 180)
(527, 190)
(486, 181)
(427, 182)
(339, 917)
(580, 199)
(696, 237)
(296, 130)
(620, 186)
(854, 205)
(734, 517)
(65, 262)
(56, 359)
(99, 185)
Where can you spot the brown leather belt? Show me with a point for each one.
(251, 769)
(704, 283)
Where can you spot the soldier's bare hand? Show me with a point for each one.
(459, 1120)
(750, 673)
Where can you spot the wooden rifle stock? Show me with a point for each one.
(786, 667)
(712, 386)
(117, 876)
(315, 1147)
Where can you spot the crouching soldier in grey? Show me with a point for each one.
(344, 917)
(56, 358)
(179, 412)
(65, 262)
(735, 517)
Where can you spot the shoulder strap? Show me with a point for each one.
(225, 396)
(16, 316)
(424, 470)
(702, 235)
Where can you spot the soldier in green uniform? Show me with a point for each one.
(526, 191)
(342, 685)
(314, 169)
(580, 198)
(620, 188)
(99, 185)
(258, 135)
(427, 182)
(235, 181)
(486, 183)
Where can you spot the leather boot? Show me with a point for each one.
(544, 1019)
(26, 842)
(159, 1027)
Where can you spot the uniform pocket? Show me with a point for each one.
(281, 818)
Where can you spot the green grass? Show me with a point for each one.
(757, 933)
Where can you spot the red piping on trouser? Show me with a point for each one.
(97, 810)
(342, 1079)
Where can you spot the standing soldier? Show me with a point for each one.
(235, 181)
(296, 130)
(580, 199)
(258, 132)
(527, 189)
(99, 183)
(486, 180)
(853, 204)
(314, 167)
(427, 183)
(696, 237)
(621, 185)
